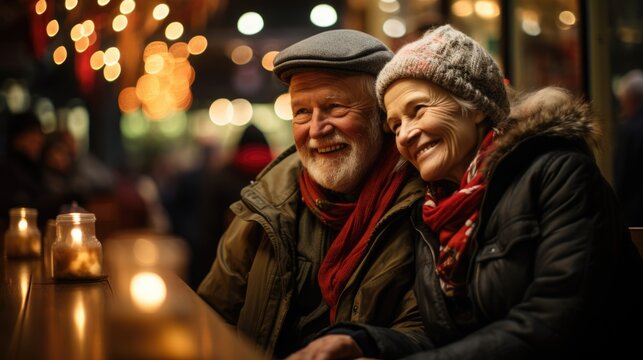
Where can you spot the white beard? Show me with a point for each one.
(343, 174)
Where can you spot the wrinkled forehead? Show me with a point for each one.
(413, 86)
(331, 84)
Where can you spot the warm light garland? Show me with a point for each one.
(164, 85)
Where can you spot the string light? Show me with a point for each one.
(163, 85)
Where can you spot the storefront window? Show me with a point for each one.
(480, 19)
(545, 45)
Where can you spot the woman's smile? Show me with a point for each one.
(425, 148)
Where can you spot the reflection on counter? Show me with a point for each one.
(140, 264)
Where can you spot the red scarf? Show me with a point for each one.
(454, 215)
(355, 222)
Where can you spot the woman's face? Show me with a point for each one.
(430, 129)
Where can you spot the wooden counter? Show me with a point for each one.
(44, 319)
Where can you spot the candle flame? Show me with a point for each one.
(148, 291)
(23, 224)
(76, 236)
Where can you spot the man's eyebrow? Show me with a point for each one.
(332, 95)
(295, 101)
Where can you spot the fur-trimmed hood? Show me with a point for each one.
(547, 112)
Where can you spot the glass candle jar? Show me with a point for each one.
(22, 239)
(76, 253)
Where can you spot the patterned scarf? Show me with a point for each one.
(355, 222)
(453, 215)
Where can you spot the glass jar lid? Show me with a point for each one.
(76, 218)
(23, 212)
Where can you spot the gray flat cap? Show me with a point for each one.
(343, 50)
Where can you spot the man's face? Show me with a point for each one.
(335, 127)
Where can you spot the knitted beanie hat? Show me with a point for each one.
(452, 60)
(343, 50)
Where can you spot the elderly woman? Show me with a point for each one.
(520, 249)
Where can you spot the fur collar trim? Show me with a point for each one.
(551, 112)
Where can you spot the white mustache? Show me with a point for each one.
(327, 141)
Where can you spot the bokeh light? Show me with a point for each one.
(394, 27)
(96, 61)
(148, 291)
(161, 11)
(119, 23)
(323, 15)
(52, 28)
(174, 30)
(60, 55)
(197, 45)
(282, 107)
(267, 61)
(241, 54)
(221, 112)
(250, 23)
(112, 72)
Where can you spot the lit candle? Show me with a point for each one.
(77, 254)
(148, 291)
(22, 239)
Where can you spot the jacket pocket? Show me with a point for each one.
(510, 236)
(504, 267)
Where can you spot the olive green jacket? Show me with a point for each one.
(252, 279)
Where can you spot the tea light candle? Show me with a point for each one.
(76, 254)
(22, 239)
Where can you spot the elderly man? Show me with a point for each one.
(322, 235)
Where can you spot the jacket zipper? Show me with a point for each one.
(272, 235)
(476, 290)
(476, 245)
(448, 324)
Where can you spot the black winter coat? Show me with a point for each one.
(554, 273)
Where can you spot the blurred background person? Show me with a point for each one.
(628, 154)
(57, 165)
(181, 193)
(220, 188)
(197, 199)
(21, 181)
(90, 175)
